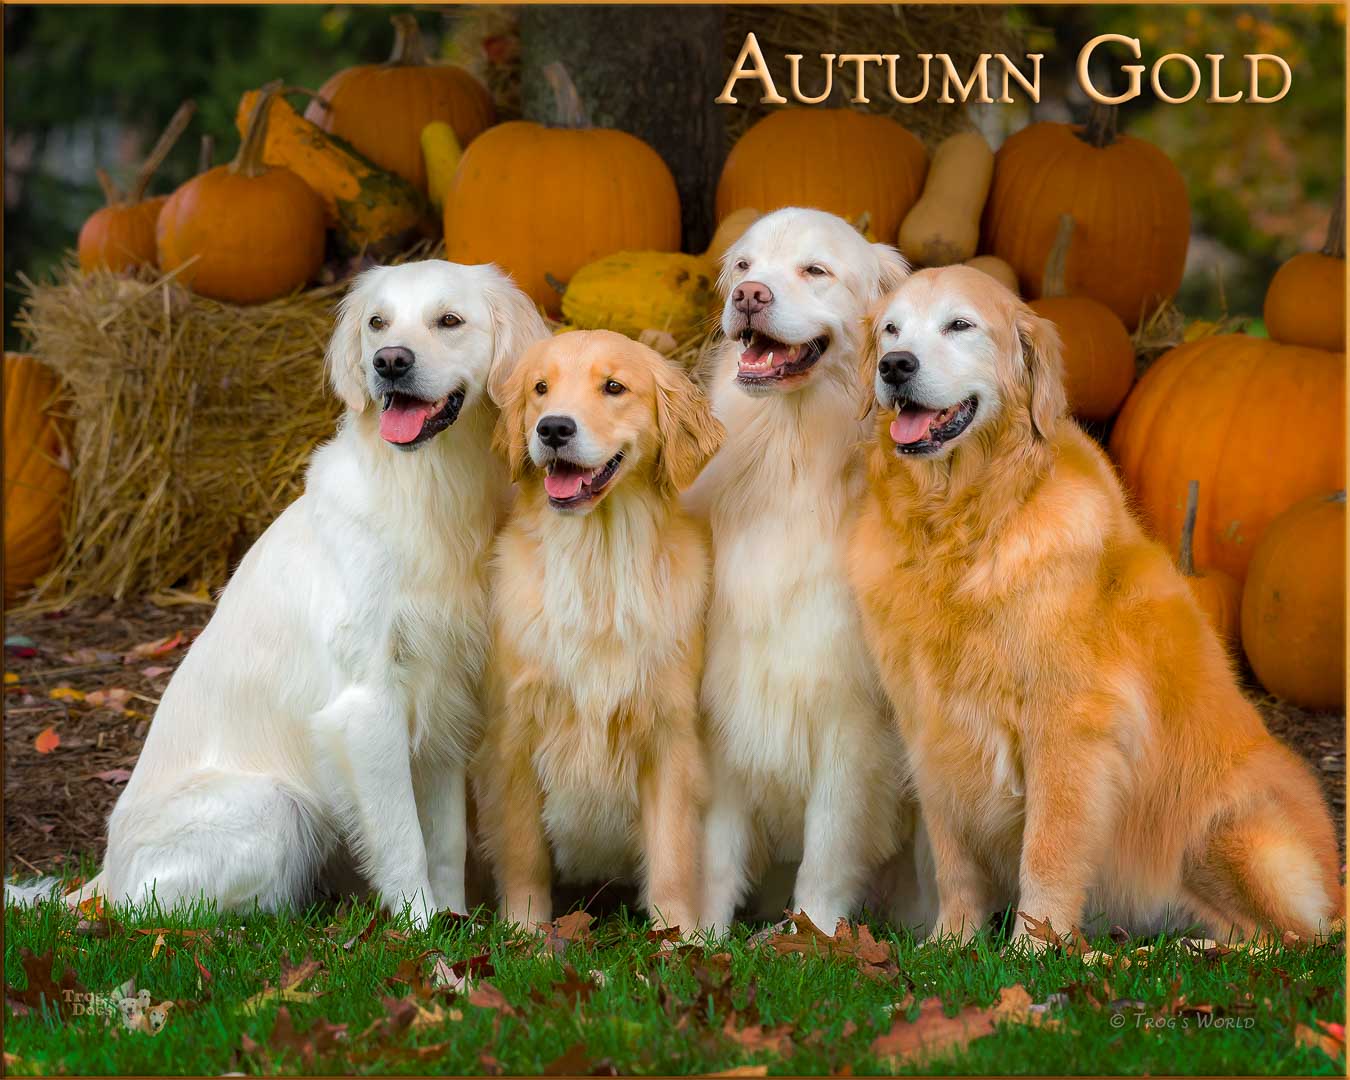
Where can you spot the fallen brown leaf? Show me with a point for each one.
(874, 958)
(47, 740)
(1041, 931)
(487, 996)
(311, 1044)
(576, 1061)
(43, 990)
(569, 929)
(932, 1032)
(1329, 1038)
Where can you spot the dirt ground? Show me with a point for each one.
(91, 677)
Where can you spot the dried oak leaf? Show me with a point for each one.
(574, 989)
(755, 1038)
(874, 958)
(487, 996)
(932, 1032)
(572, 928)
(320, 1040)
(59, 998)
(576, 1061)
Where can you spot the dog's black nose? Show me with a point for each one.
(897, 367)
(752, 297)
(554, 431)
(393, 362)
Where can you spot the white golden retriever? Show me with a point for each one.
(332, 702)
(805, 759)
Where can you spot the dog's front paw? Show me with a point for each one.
(417, 903)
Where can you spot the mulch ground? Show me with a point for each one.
(81, 686)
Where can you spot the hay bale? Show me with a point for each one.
(192, 423)
(964, 31)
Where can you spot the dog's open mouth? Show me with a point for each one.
(569, 485)
(766, 360)
(919, 430)
(407, 421)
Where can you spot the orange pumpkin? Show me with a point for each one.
(256, 231)
(1293, 605)
(1218, 594)
(849, 163)
(575, 194)
(1305, 304)
(121, 236)
(1264, 422)
(1098, 353)
(1125, 195)
(381, 109)
(37, 476)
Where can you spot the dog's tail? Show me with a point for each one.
(31, 893)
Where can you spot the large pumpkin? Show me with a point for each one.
(1305, 304)
(244, 232)
(1098, 354)
(1261, 425)
(542, 202)
(1293, 605)
(121, 236)
(849, 163)
(1127, 199)
(37, 476)
(381, 109)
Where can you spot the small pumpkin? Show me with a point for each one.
(1218, 594)
(1293, 605)
(247, 231)
(381, 109)
(1098, 354)
(37, 475)
(121, 236)
(1128, 200)
(669, 293)
(943, 227)
(847, 162)
(366, 207)
(1305, 304)
(542, 202)
(997, 269)
(1223, 407)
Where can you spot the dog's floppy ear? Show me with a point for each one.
(867, 357)
(508, 437)
(893, 269)
(516, 325)
(343, 356)
(1045, 369)
(689, 432)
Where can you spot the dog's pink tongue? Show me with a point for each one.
(402, 421)
(562, 485)
(912, 425)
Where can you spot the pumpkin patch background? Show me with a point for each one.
(188, 190)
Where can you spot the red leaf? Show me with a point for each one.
(47, 741)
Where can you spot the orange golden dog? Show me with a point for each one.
(592, 762)
(1079, 742)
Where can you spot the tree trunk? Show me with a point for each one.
(650, 71)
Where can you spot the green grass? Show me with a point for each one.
(655, 1012)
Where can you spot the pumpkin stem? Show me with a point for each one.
(569, 112)
(1335, 245)
(1339, 497)
(206, 156)
(249, 161)
(1186, 559)
(409, 49)
(111, 192)
(1100, 129)
(1053, 283)
(161, 149)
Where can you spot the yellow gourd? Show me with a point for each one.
(440, 153)
(944, 225)
(636, 291)
(996, 268)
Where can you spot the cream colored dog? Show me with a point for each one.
(805, 759)
(333, 698)
(593, 762)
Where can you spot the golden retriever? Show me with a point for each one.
(333, 701)
(593, 760)
(807, 765)
(1078, 739)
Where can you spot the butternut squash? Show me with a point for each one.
(364, 205)
(996, 268)
(440, 155)
(944, 225)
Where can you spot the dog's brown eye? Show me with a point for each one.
(957, 325)
(541, 388)
(889, 328)
(376, 323)
(449, 320)
(614, 388)
(815, 271)
(742, 264)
